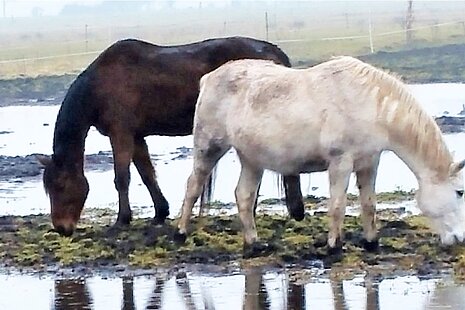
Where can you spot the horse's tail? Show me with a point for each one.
(279, 184)
(207, 192)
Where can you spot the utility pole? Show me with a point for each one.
(4, 8)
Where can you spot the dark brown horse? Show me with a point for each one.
(132, 90)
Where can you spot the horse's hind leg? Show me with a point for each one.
(146, 170)
(339, 174)
(293, 193)
(246, 193)
(204, 160)
(366, 179)
(123, 148)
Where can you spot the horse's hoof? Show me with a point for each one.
(121, 225)
(296, 210)
(257, 249)
(370, 246)
(299, 216)
(161, 213)
(179, 238)
(123, 221)
(158, 221)
(336, 250)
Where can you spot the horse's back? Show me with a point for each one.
(280, 115)
(150, 89)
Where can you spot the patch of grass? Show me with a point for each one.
(272, 201)
(394, 242)
(150, 257)
(405, 243)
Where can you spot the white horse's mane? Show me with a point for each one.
(407, 122)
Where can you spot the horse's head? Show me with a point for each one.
(67, 189)
(443, 203)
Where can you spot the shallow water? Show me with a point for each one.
(252, 289)
(30, 130)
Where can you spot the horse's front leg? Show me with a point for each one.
(146, 170)
(294, 200)
(123, 149)
(246, 193)
(339, 174)
(205, 160)
(366, 179)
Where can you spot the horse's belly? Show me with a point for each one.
(283, 158)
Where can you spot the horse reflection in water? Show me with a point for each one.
(72, 294)
(132, 90)
(286, 294)
(337, 116)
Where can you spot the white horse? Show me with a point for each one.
(337, 116)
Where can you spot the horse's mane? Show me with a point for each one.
(407, 122)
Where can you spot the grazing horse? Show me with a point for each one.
(132, 90)
(337, 116)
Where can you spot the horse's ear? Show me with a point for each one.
(456, 167)
(44, 160)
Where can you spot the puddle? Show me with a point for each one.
(29, 198)
(251, 289)
(27, 130)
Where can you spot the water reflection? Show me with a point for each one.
(296, 297)
(71, 294)
(255, 296)
(155, 300)
(252, 289)
(372, 294)
(128, 294)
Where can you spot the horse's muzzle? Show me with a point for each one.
(64, 231)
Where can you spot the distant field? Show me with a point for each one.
(307, 31)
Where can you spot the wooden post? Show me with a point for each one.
(370, 33)
(86, 35)
(409, 23)
(266, 25)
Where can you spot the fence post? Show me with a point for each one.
(266, 25)
(370, 33)
(409, 23)
(87, 42)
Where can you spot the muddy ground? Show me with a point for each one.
(18, 168)
(406, 245)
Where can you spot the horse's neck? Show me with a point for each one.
(71, 129)
(417, 140)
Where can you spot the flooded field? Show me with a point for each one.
(249, 290)
(27, 130)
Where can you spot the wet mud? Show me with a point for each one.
(18, 168)
(405, 245)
